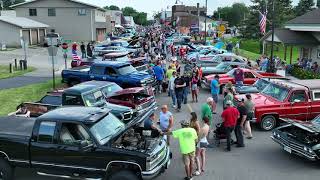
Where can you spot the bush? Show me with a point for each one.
(300, 73)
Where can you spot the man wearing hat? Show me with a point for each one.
(188, 138)
(229, 116)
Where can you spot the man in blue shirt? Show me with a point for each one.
(215, 90)
(159, 73)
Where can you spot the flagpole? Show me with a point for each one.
(271, 67)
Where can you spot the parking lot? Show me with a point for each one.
(261, 158)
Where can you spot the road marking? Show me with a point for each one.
(190, 108)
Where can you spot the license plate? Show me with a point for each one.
(288, 149)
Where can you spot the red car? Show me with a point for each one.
(298, 100)
(250, 77)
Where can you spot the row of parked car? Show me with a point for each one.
(93, 129)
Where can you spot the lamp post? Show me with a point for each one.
(205, 23)
(271, 67)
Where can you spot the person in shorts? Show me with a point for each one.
(215, 90)
(188, 138)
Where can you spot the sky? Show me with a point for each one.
(151, 6)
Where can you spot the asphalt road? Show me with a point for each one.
(261, 159)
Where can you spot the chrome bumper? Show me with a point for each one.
(294, 149)
(159, 168)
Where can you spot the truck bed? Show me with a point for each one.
(16, 126)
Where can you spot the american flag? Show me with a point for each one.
(263, 22)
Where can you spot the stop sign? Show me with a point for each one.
(64, 46)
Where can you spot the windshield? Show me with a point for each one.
(106, 128)
(276, 91)
(126, 70)
(230, 73)
(95, 99)
(261, 84)
(111, 90)
(316, 120)
(222, 66)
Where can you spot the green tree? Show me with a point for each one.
(8, 3)
(234, 14)
(303, 7)
(112, 7)
(129, 11)
(138, 17)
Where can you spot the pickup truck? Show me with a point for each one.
(301, 138)
(122, 73)
(89, 144)
(79, 95)
(296, 99)
(250, 77)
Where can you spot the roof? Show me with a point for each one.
(310, 83)
(75, 1)
(116, 64)
(287, 36)
(81, 89)
(311, 17)
(22, 22)
(83, 114)
(98, 83)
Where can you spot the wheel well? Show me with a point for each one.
(117, 167)
(274, 115)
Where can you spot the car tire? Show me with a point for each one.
(124, 175)
(268, 123)
(6, 170)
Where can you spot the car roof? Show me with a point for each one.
(233, 63)
(98, 83)
(309, 83)
(81, 89)
(79, 114)
(116, 64)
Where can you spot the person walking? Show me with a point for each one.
(206, 110)
(238, 76)
(180, 84)
(229, 118)
(188, 138)
(215, 90)
(166, 121)
(250, 109)
(74, 48)
(172, 89)
(194, 87)
(240, 123)
(159, 74)
(186, 90)
(228, 97)
(83, 50)
(202, 146)
(89, 50)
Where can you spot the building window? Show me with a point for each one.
(51, 12)
(82, 12)
(32, 12)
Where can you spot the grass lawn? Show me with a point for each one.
(11, 98)
(5, 73)
(253, 46)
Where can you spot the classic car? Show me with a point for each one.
(258, 86)
(82, 143)
(222, 68)
(300, 137)
(222, 57)
(250, 77)
(80, 95)
(295, 99)
(122, 73)
(115, 56)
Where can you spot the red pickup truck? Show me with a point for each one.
(250, 77)
(297, 99)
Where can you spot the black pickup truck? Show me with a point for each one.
(81, 143)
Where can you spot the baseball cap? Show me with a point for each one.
(184, 123)
(228, 102)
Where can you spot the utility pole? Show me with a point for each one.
(271, 67)
(205, 24)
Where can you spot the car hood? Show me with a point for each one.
(134, 90)
(305, 125)
(246, 89)
(260, 99)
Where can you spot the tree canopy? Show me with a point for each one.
(234, 14)
(112, 7)
(138, 17)
(304, 6)
(8, 3)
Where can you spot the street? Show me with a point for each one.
(261, 158)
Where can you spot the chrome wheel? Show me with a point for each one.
(268, 123)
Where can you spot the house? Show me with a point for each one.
(302, 31)
(73, 20)
(14, 29)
